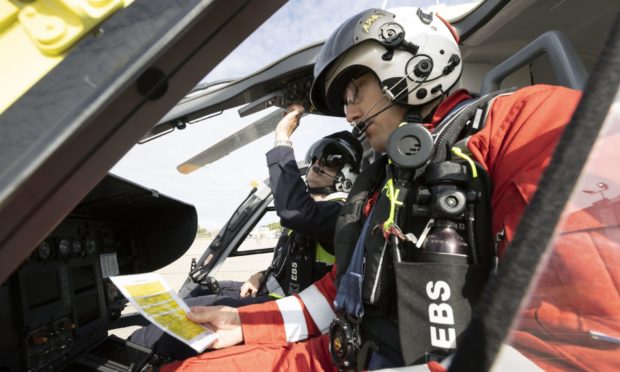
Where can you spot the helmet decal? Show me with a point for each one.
(369, 21)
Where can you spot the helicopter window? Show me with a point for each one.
(263, 236)
(256, 251)
(572, 313)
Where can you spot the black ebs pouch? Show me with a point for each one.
(436, 294)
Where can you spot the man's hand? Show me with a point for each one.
(251, 286)
(223, 319)
(289, 122)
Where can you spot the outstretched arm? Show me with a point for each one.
(290, 319)
(296, 208)
(294, 205)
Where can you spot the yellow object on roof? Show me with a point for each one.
(36, 35)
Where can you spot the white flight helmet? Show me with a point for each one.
(413, 53)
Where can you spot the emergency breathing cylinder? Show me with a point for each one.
(446, 181)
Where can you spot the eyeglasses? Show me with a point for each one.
(350, 94)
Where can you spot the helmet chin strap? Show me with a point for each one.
(321, 190)
(414, 115)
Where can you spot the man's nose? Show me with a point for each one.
(353, 113)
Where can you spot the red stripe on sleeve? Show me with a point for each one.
(262, 323)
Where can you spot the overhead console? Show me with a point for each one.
(56, 309)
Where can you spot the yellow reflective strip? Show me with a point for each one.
(323, 256)
(392, 197)
(275, 295)
(336, 196)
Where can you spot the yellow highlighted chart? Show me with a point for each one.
(154, 299)
(146, 289)
(177, 322)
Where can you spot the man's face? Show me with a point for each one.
(362, 99)
(324, 178)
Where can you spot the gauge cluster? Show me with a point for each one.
(79, 243)
(65, 294)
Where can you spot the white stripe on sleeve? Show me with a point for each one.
(318, 307)
(294, 322)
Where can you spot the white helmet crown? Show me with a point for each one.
(413, 53)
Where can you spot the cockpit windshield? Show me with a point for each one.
(271, 40)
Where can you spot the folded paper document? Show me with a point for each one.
(151, 295)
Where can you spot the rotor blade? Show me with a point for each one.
(252, 132)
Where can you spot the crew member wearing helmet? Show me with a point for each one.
(307, 210)
(404, 245)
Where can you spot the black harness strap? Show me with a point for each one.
(448, 132)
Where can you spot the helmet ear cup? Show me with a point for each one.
(346, 178)
(421, 69)
(347, 185)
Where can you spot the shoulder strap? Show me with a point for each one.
(453, 127)
(349, 224)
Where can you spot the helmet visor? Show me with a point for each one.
(333, 160)
(331, 153)
(352, 32)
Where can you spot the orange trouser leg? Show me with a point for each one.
(310, 355)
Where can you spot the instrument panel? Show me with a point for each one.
(59, 305)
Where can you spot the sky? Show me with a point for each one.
(217, 189)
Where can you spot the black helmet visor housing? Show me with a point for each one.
(329, 153)
(335, 152)
(352, 32)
